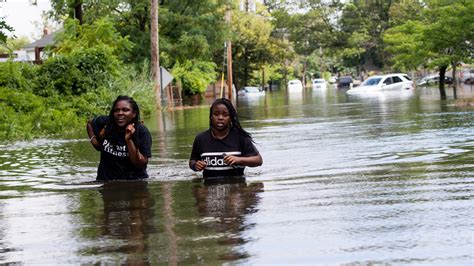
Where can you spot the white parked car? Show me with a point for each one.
(295, 85)
(333, 79)
(319, 84)
(389, 82)
(250, 91)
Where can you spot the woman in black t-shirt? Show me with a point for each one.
(123, 141)
(225, 148)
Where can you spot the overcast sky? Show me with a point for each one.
(21, 15)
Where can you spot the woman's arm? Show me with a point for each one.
(92, 137)
(136, 157)
(251, 161)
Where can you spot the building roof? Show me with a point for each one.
(43, 42)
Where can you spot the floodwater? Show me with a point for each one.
(358, 180)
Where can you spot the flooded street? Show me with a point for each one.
(375, 179)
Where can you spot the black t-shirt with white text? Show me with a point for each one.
(212, 151)
(115, 162)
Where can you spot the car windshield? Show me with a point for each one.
(406, 77)
(371, 82)
(319, 81)
(345, 79)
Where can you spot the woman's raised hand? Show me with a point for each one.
(129, 131)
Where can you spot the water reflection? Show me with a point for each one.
(127, 212)
(226, 206)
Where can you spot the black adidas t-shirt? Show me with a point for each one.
(115, 163)
(212, 150)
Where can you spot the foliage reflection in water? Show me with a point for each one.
(346, 179)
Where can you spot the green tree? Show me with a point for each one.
(361, 26)
(252, 45)
(441, 37)
(86, 59)
(188, 29)
(102, 32)
(310, 28)
(191, 31)
(4, 28)
(73, 9)
(194, 76)
(13, 44)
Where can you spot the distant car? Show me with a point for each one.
(345, 82)
(250, 91)
(319, 84)
(433, 79)
(389, 82)
(333, 79)
(295, 85)
(466, 76)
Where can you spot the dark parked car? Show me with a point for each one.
(345, 82)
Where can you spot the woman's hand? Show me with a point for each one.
(136, 157)
(232, 160)
(198, 165)
(129, 131)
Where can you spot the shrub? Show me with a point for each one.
(25, 115)
(16, 75)
(78, 72)
(194, 76)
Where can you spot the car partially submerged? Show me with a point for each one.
(388, 82)
(432, 80)
(295, 85)
(345, 82)
(319, 84)
(466, 76)
(250, 91)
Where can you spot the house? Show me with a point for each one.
(33, 52)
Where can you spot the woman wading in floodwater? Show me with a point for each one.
(223, 151)
(123, 141)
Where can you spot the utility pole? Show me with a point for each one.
(229, 54)
(155, 52)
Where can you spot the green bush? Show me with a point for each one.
(194, 76)
(17, 75)
(25, 115)
(78, 72)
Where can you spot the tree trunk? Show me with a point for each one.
(304, 74)
(455, 92)
(155, 52)
(78, 11)
(442, 91)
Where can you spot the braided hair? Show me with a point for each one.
(233, 116)
(112, 130)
